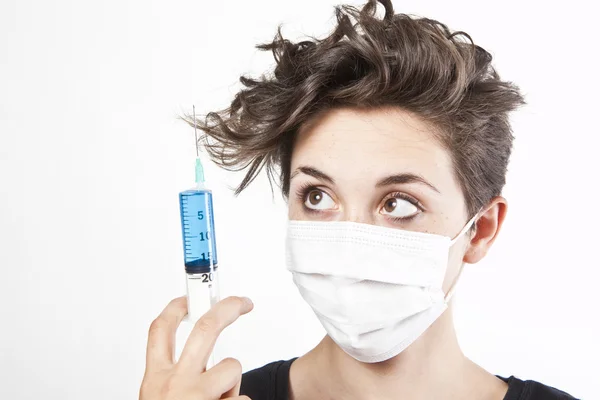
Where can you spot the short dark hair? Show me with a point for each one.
(416, 64)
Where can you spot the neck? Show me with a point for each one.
(432, 367)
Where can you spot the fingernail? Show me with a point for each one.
(248, 301)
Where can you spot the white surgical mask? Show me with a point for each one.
(374, 289)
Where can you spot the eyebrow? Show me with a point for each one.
(405, 178)
(314, 173)
(389, 180)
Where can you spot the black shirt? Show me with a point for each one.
(271, 382)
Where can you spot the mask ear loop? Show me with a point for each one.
(462, 232)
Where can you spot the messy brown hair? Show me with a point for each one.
(416, 64)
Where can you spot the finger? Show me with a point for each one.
(222, 379)
(161, 336)
(201, 340)
(235, 391)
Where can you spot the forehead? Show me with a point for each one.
(370, 143)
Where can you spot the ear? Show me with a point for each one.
(487, 228)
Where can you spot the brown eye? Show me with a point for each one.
(318, 200)
(390, 205)
(399, 208)
(315, 196)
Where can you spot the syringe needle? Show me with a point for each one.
(195, 130)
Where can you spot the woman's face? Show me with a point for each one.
(380, 167)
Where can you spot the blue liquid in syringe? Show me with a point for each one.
(198, 227)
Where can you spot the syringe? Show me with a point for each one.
(199, 245)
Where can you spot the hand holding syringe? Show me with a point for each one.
(194, 375)
(189, 378)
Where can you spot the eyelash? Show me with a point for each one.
(303, 191)
(306, 188)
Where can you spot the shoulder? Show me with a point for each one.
(531, 390)
(269, 382)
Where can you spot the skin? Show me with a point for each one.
(188, 379)
(357, 149)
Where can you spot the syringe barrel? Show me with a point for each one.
(199, 250)
(202, 293)
(198, 231)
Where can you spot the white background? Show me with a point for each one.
(92, 159)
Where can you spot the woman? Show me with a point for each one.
(392, 140)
